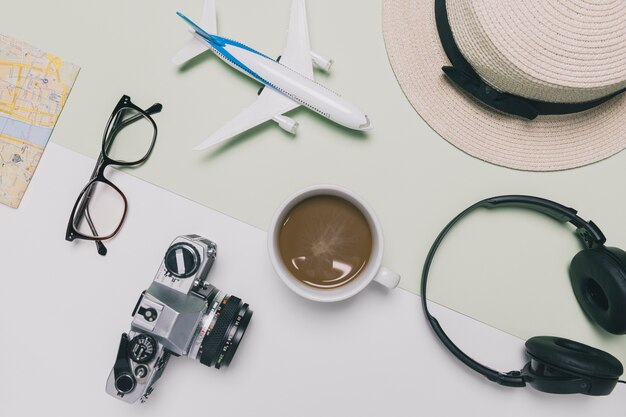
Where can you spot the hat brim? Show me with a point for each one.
(548, 143)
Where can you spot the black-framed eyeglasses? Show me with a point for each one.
(101, 207)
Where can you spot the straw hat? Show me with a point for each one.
(520, 56)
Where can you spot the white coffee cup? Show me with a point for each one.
(373, 271)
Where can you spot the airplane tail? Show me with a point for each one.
(208, 25)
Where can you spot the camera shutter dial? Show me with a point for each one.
(182, 260)
(142, 348)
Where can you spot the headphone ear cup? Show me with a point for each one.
(563, 366)
(598, 278)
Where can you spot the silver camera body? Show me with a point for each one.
(181, 315)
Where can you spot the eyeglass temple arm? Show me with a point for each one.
(83, 211)
(118, 123)
(102, 250)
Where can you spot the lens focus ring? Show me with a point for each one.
(214, 341)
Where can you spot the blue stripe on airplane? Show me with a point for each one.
(219, 43)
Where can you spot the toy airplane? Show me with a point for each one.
(286, 84)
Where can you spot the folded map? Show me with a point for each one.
(34, 86)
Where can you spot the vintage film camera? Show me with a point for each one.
(181, 315)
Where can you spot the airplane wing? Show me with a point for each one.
(209, 17)
(269, 104)
(195, 46)
(297, 54)
(192, 48)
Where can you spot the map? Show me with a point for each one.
(34, 86)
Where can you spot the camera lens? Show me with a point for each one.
(227, 320)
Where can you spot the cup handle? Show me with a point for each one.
(387, 278)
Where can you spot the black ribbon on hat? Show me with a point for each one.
(463, 74)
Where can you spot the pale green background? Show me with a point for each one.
(509, 270)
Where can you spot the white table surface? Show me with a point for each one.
(63, 308)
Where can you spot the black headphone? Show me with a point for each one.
(598, 277)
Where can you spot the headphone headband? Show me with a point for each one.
(589, 233)
(587, 230)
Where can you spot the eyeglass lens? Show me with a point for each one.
(129, 137)
(104, 210)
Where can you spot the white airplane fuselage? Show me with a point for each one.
(285, 80)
